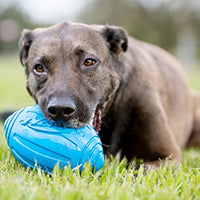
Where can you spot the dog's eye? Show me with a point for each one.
(39, 68)
(89, 62)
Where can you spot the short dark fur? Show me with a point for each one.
(148, 108)
(5, 115)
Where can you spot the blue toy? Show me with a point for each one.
(34, 141)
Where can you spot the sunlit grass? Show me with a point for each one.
(13, 92)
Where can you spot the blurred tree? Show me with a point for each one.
(160, 24)
(12, 21)
(154, 26)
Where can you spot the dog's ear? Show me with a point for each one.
(116, 38)
(24, 45)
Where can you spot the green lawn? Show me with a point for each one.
(114, 181)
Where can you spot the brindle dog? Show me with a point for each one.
(80, 74)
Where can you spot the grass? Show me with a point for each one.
(12, 84)
(114, 181)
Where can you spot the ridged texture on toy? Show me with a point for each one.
(33, 140)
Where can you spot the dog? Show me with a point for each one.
(135, 94)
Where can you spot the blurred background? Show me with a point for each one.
(171, 24)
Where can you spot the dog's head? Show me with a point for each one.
(73, 70)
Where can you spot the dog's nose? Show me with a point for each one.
(61, 110)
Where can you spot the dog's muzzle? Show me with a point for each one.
(70, 112)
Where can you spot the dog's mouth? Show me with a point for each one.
(77, 122)
(96, 121)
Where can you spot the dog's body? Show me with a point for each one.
(75, 72)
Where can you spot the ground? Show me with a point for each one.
(114, 181)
